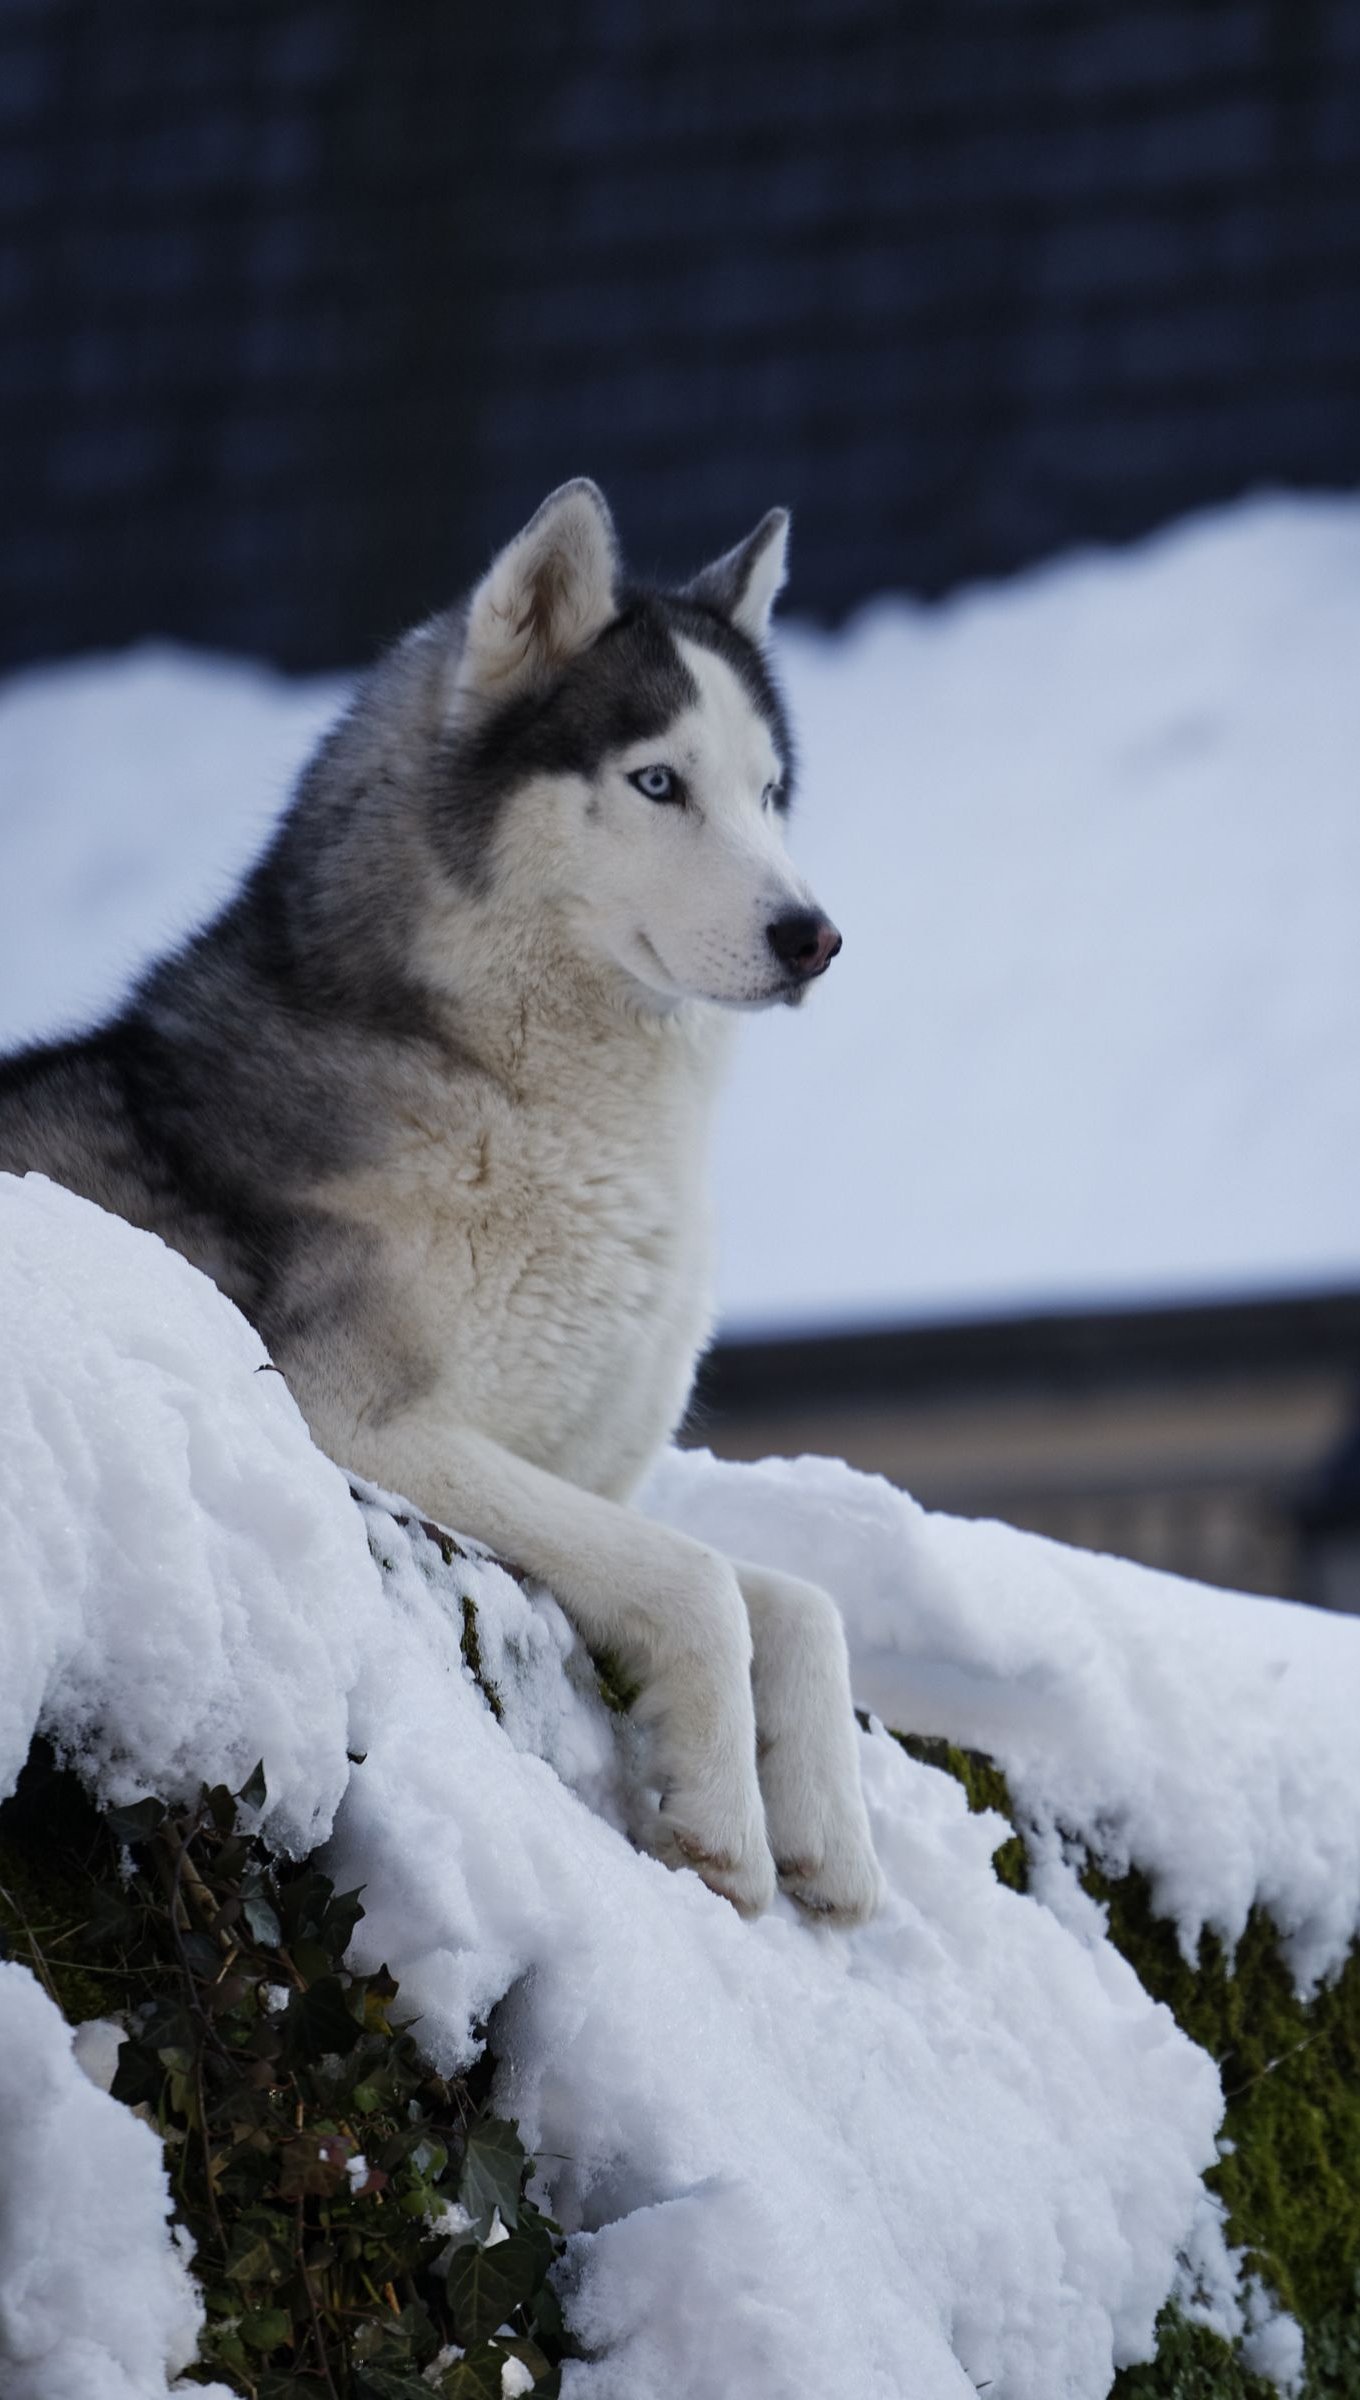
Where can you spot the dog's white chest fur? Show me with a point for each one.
(548, 1247)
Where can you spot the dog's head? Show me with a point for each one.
(623, 757)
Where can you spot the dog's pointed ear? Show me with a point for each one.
(546, 595)
(745, 583)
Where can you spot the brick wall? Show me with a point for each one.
(302, 306)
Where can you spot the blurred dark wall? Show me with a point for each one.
(302, 307)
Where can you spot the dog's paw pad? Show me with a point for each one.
(693, 1854)
(797, 1870)
(845, 1895)
(745, 1877)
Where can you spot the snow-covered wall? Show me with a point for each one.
(1093, 840)
(790, 2160)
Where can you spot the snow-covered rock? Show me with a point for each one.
(961, 2143)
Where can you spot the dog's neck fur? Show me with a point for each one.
(545, 1020)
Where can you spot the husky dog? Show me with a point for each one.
(430, 1101)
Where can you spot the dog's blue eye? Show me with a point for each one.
(655, 783)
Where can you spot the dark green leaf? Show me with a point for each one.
(474, 2377)
(254, 1791)
(429, 2159)
(261, 1916)
(528, 2354)
(201, 1954)
(304, 1899)
(110, 1920)
(255, 2260)
(341, 1917)
(545, 2318)
(493, 2170)
(485, 2286)
(138, 2075)
(137, 1822)
(265, 2328)
(387, 2383)
(228, 1994)
(313, 2163)
(319, 2020)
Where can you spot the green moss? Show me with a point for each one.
(618, 1689)
(472, 1655)
(1291, 2080)
(985, 1786)
(1334, 2351)
(1191, 2364)
(1289, 2176)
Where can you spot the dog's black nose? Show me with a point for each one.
(803, 943)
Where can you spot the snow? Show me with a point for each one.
(179, 1564)
(96, 2301)
(95, 2048)
(1092, 839)
(961, 2138)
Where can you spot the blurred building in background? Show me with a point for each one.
(1215, 1442)
(303, 306)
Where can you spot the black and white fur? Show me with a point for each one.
(431, 1100)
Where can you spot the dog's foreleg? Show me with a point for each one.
(807, 1750)
(670, 1609)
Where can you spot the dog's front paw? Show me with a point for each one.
(819, 1832)
(843, 1887)
(726, 1848)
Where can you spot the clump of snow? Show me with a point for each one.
(1092, 840)
(1272, 2343)
(96, 2300)
(1210, 2291)
(961, 2137)
(95, 2049)
(187, 1586)
(1206, 1735)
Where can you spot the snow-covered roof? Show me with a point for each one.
(1093, 839)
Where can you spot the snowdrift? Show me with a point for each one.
(962, 2146)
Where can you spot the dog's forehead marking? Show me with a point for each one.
(723, 727)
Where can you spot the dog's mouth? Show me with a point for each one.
(653, 958)
(786, 993)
